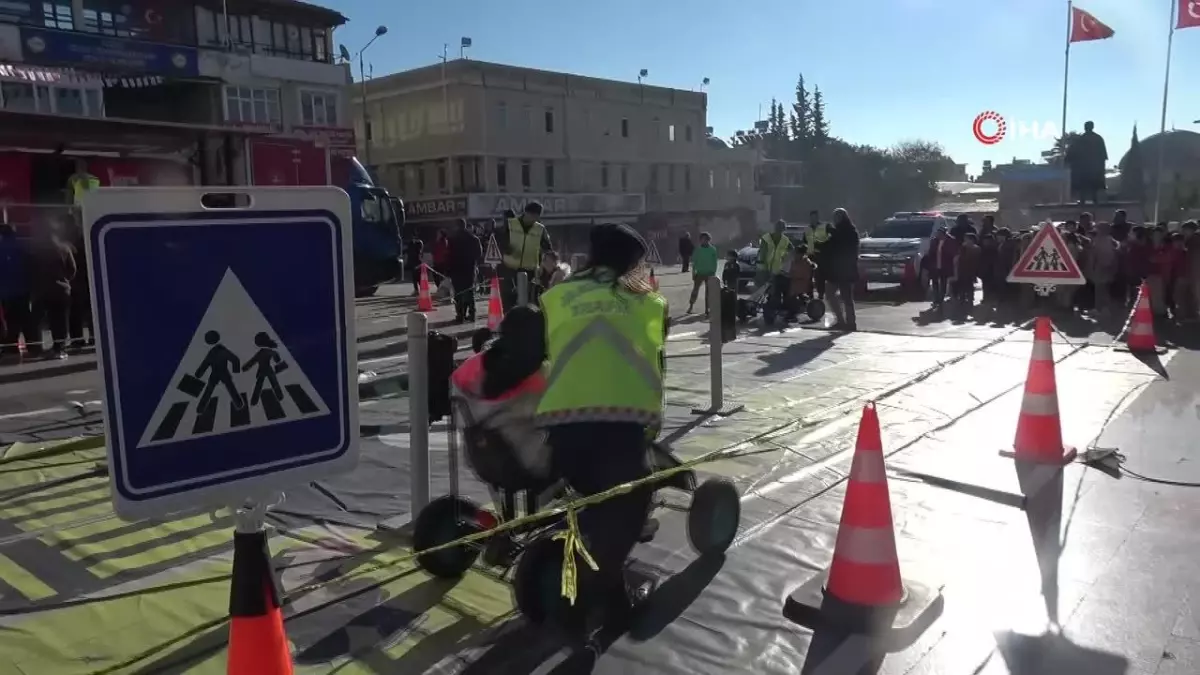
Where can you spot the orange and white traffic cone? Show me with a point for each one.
(862, 591)
(1039, 429)
(495, 307)
(1140, 339)
(258, 644)
(424, 299)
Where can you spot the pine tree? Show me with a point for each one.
(1133, 172)
(820, 125)
(801, 119)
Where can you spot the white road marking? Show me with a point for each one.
(70, 406)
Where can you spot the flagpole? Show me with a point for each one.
(1062, 130)
(1162, 130)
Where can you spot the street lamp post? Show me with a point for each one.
(362, 77)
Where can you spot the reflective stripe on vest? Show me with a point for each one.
(605, 348)
(524, 248)
(772, 260)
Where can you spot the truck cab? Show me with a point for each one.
(378, 225)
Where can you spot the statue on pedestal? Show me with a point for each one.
(1086, 157)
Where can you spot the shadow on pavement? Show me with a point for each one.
(1054, 653)
(12, 374)
(795, 354)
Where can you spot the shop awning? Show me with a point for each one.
(50, 132)
(14, 72)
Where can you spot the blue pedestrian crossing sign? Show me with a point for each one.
(225, 341)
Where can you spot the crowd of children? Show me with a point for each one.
(1115, 258)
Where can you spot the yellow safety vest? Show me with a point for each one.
(80, 184)
(606, 348)
(772, 253)
(816, 236)
(524, 248)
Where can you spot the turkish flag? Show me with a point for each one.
(1085, 27)
(1189, 14)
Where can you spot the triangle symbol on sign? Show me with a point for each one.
(1047, 259)
(236, 375)
(492, 256)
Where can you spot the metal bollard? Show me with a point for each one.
(717, 381)
(522, 288)
(418, 409)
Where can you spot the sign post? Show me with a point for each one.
(1047, 263)
(227, 375)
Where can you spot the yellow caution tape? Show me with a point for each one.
(572, 544)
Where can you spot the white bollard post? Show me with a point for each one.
(418, 410)
(716, 375)
(522, 288)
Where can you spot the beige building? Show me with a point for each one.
(472, 139)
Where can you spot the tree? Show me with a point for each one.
(1133, 172)
(801, 119)
(1058, 151)
(818, 123)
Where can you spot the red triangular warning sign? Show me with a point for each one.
(1047, 261)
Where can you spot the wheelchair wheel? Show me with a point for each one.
(537, 586)
(714, 516)
(444, 520)
(479, 339)
(744, 312)
(815, 309)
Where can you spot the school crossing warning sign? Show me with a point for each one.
(492, 256)
(235, 375)
(225, 343)
(1047, 261)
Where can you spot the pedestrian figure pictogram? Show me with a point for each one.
(233, 353)
(1047, 261)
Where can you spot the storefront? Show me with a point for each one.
(304, 156)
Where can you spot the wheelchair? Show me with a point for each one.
(529, 552)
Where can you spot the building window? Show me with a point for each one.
(318, 109)
(712, 179)
(421, 179)
(687, 179)
(549, 176)
(526, 174)
(549, 120)
(501, 174)
(624, 178)
(727, 179)
(604, 176)
(529, 118)
(671, 177)
(687, 133)
(462, 174)
(441, 176)
(739, 185)
(272, 38)
(410, 171)
(501, 115)
(63, 100)
(402, 180)
(656, 128)
(624, 127)
(100, 17)
(246, 105)
(58, 15)
(671, 132)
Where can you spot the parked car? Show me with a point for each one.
(899, 241)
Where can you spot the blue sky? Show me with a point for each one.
(891, 70)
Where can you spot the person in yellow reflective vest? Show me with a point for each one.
(606, 339)
(521, 241)
(774, 251)
(817, 235)
(79, 183)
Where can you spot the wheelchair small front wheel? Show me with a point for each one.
(714, 516)
(442, 521)
(815, 309)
